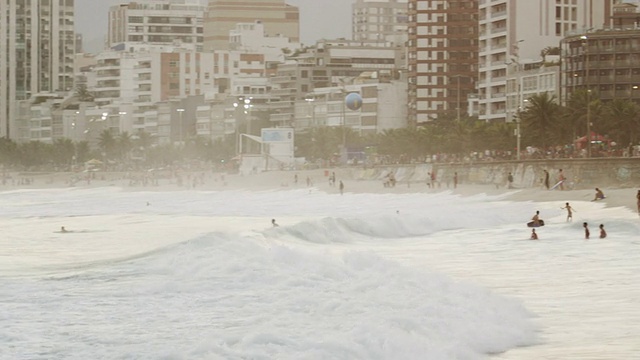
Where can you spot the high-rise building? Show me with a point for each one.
(603, 61)
(379, 20)
(163, 22)
(279, 19)
(515, 32)
(443, 57)
(37, 49)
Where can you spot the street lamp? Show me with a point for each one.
(458, 96)
(180, 111)
(585, 44)
(310, 100)
(247, 111)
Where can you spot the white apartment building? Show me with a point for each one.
(529, 79)
(146, 76)
(37, 48)
(156, 22)
(515, 31)
(383, 107)
(251, 37)
(378, 20)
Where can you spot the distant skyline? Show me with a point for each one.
(328, 19)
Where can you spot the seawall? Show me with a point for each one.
(580, 173)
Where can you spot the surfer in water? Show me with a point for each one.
(63, 230)
(273, 222)
(536, 218)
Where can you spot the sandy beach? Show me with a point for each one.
(318, 181)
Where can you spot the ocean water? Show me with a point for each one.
(204, 275)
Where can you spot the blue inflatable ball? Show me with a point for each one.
(353, 101)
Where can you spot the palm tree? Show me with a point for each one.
(82, 152)
(540, 118)
(107, 142)
(621, 120)
(8, 150)
(124, 144)
(82, 93)
(580, 105)
(63, 151)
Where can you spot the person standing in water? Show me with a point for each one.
(273, 222)
(603, 234)
(534, 235)
(586, 230)
(570, 211)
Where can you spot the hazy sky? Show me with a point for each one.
(319, 19)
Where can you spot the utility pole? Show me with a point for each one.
(587, 82)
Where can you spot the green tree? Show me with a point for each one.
(124, 144)
(621, 121)
(83, 152)
(83, 94)
(107, 143)
(35, 154)
(540, 119)
(8, 151)
(63, 151)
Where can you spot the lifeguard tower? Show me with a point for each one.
(273, 150)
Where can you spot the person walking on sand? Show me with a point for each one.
(586, 230)
(599, 195)
(341, 187)
(638, 197)
(534, 235)
(546, 179)
(561, 179)
(570, 211)
(510, 181)
(603, 234)
(455, 186)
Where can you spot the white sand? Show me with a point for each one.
(285, 180)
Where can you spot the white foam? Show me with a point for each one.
(204, 275)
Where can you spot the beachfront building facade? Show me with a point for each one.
(222, 16)
(380, 21)
(37, 49)
(156, 22)
(603, 61)
(517, 32)
(332, 63)
(443, 57)
(383, 107)
(530, 79)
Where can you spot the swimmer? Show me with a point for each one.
(603, 234)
